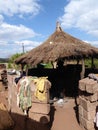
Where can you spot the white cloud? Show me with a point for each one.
(28, 45)
(7, 49)
(81, 14)
(1, 19)
(28, 42)
(12, 37)
(94, 43)
(12, 32)
(3, 53)
(12, 7)
(4, 43)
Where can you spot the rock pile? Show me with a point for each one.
(88, 102)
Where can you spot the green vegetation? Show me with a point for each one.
(11, 63)
(48, 65)
(88, 63)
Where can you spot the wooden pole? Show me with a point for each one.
(54, 64)
(26, 70)
(23, 47)
(83, 70)
(92, 62)
(77, 62)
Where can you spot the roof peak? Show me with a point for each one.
(58, 26)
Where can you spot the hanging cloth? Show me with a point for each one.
(40, 88)
(25, 94)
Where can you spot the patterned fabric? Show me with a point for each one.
(25, 94)
(24, 91)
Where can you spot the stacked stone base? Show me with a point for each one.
(40, 109)
(40, 112)
(88, 102)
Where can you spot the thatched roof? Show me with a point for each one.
(59, 45)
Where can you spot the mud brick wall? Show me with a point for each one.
(40, 109)
(12, 96)
(88, 102)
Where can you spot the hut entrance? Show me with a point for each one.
(64, 81)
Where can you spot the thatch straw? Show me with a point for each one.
(59, 45)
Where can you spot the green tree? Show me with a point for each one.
(11, 63)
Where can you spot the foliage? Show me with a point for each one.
(11, 63)
(88, 63)
(48, 65)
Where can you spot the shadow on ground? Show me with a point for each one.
(26, 123)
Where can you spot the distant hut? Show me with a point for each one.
(60, 46)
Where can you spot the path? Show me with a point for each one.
(63, 118)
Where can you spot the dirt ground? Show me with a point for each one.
(62, 117)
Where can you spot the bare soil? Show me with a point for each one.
(62, 117)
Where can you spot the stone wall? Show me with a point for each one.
(40, 110)
(88, 102)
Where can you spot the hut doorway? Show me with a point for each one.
(64, 81)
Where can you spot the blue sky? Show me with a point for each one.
(31, 22)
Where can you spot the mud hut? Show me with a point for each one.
(60, 46)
